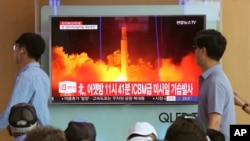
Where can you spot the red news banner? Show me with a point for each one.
(70, 88)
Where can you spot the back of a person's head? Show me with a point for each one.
(142, 131)
(45, 133)
(22, 118)
(186, 127)
(34, 44)
(215, 135)
(78, 130)
(214, 42)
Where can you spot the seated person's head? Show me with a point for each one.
(79, 130)
(22, 118)
(186, 127)
(45, 133)
(142, 131)
(215, 135)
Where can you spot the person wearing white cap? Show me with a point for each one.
(142, 131)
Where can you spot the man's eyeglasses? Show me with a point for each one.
(15, 46)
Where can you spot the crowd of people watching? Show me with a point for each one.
(24, 126)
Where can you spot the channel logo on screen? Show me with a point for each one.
(67, 87)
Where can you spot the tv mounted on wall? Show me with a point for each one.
(124, 59)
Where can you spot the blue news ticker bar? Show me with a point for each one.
(187, 98)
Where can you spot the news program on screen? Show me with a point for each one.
(124, 59)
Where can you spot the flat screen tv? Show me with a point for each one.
(124, 59)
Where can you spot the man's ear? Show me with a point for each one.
(21, 51)
(204, 49)
(38, 125)
(9, 130)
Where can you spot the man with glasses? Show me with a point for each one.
(32, 84)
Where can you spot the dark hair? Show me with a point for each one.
(215, 135)
(45, 133)
(34, 44)
(214, 42)
(182, 129)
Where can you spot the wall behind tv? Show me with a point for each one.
(113, 121)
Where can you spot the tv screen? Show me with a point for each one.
(124, 59)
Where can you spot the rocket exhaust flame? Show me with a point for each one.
(81, 68)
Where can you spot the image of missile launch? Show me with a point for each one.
(132, 49)
(124, 52)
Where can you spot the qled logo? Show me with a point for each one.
(239, 132)
(67, 87)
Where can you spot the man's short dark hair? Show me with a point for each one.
(34, 44)
(45, 133)
(186, 127)
(214, 42)
(215, 135)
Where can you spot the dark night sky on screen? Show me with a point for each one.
(145, 35)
